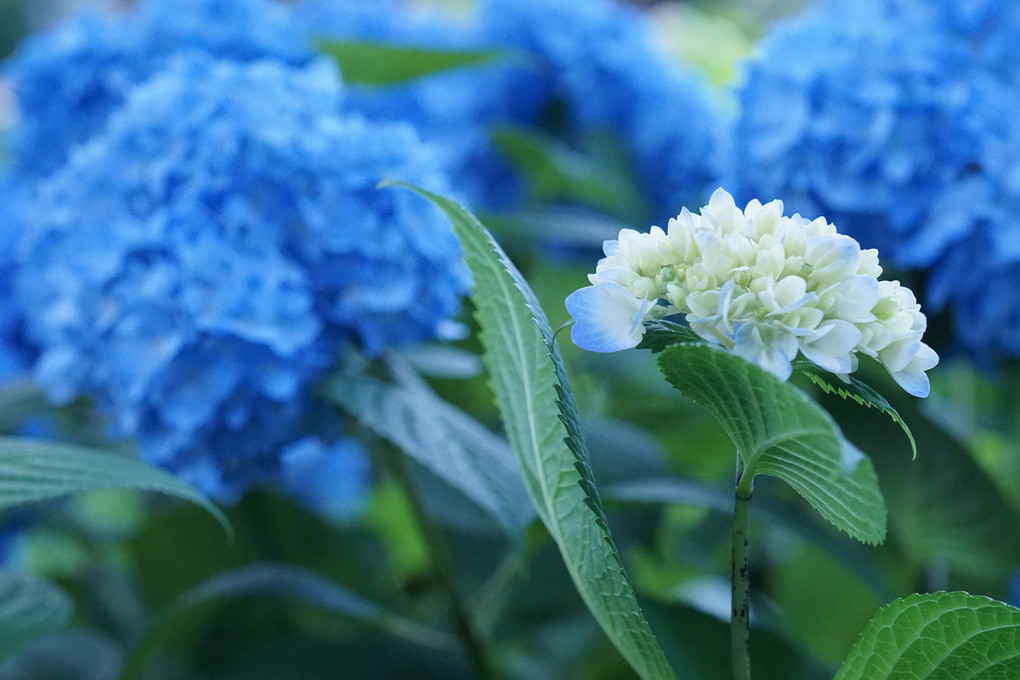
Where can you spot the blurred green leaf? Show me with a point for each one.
(19, 401)
(854, 389)
(540, 416)
(943, 508)
(556, 172)
(802, 578)
(443, 361)
(286, 584)
(34, 470)
(779, 431)
(666, 490)
(30, 607)
(370, 63)
(67, 656)
(448, 442)
(950, 636)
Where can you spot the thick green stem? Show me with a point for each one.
(740, 635)
(443, 571)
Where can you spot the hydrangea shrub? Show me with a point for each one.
(199, 265)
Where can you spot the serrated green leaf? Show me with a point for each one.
(371, 63)
(540, 416)
(445, 440)
(661, 334)
(779, 431)
(30, 607)
(856, 390)
(938, 636)
(34, 470)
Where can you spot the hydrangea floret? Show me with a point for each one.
(761, 284)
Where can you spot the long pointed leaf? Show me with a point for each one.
(34, 470)
(447, 441)
(778, 430)
(540, 416)
(372, 63)
(30, 607)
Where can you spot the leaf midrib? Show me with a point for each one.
(522, 361)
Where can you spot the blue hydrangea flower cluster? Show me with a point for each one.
(197, 264)
(70, 78)
(596, 60)
(897, 120)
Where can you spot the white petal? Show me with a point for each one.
(912, 383)
(855, 298)
(830, 347)
(899, 353)
(912, 378)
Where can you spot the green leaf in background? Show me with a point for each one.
(540, 417)
(944, 636)
(34, 470)
(30, 607)
(943, 508)
(286, 584)
(445, 440)
(855, 389)
(667, 490)
(370, 63)
(556, 172)
(779, 431)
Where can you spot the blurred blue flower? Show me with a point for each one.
(328, 478)
(600, 60)
(897, 120)
(574, 68)
(453, 109)
(14, 354)
(199, 265)
(70, 78)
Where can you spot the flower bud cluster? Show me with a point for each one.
(761, 284)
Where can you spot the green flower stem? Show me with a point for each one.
(740, 635)
(441, 559)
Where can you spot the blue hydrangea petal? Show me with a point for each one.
(329, 478)
(608, 317)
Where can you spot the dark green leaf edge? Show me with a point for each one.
(858, 391)
(662, 333)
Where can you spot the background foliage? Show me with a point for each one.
(557, 126)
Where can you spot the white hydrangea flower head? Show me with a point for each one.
(764, 285)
